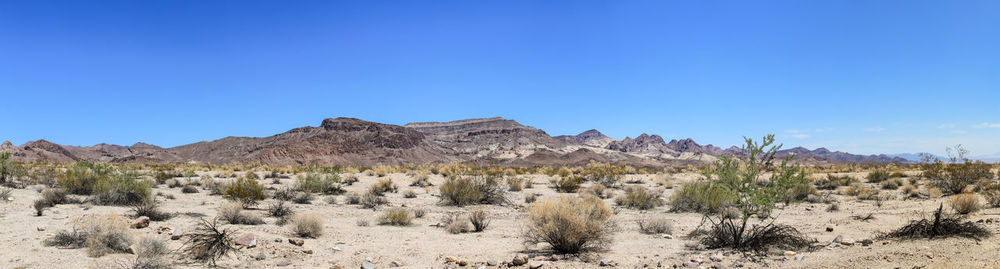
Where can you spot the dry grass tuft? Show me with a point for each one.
(395, 217)
(307, 225)
(570, 225)
(964, 203)
(654, 226)
(233, 213)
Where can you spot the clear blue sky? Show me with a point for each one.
(858, 76)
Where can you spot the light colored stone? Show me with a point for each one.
(141, 222)
(296, 241)
(519, 260)
(790, 253)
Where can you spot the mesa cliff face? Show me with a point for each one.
(348, 141)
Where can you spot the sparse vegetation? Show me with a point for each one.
(307, 225)
(992, 194)
(570, 225)
(942, 226)
(654, 226)
(958, 174)
(207, 243)
(700, 196)
(319, 183)
(964, 203)
(150, 209)
(478, 189)
(395, 217)
(409, 194)
(479, 219)
(569, 184)
(638, 198)
(281, 211)
(877, 176)
(233, 213)
(248, 192)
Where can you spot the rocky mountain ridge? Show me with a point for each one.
(349, 141)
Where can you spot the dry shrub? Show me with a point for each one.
(105, 234)
(964, 203)
(934, 192)
(638, 198)
(40, 205)
(832, 182)
(233, 213)
(382, 186)
(942, 226)
(877, 176)
(478, 189)
(307, 225)
(455, 224)
(53, 196)
(479, 219)
(891, 184)
(244, 190)
(419, 213)
(665, 180)
(599, 190)
(909, 190)
(515, 183)
(530, 197)
(372, 200)
(208, 242)
(421, 179)
(992, 194)
(150, 254)
(728, 232)
(569, 184)
(395, 217)
(189, 189)
(122, 188)
(954, 177)
(699, 196)
(654, 226)
(150, 209)
(570, 225)
(281, 211)
(353, 198)
(303, 198)
(409, 194)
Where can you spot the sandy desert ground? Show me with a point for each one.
(346, 244)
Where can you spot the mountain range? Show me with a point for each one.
(349, 141)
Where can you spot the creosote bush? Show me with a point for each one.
(877, 176)
(122, 188)
(476, 189)
(958, 174)
(638, 198)
(569, 184)
(395, 217)
(699, 196)
(307, 225)
(248, 192)
(319, 183)
(570, 225)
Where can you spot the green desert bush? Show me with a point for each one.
(699, 196)
(891, 184)
(319, 183)
(754, 194)
(831, 182)
(476, 189)
(957, 175)
(307, 225)
(638, 198)
(248, 192)
(122, 188)
(878, 175)
(569, 184)
(81, 177)
(395, 217)
(570, 225)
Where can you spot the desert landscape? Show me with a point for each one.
(488, 193)
(499, 134)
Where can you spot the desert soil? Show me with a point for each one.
(423, 245)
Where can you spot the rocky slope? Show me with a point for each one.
(348, 141)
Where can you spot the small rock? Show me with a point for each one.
(838, 239)
(690, 264)
(367, 265)
(605, 262)
(929, 255)
(307, 251)
(519, 260)
(536, 264)
(668, 236)
(847, 242)
(717, 257)
(491, 263)
(141, 222)
(285, 263)
(248, 239)
(336, 249)
(718, 266)
(261, 257)
(790, 253)
(866, 242)
(40, 229)
(296, 241)
(697, 260)
(395, 264)
(799, 257)
(829, 228)
(176, 234)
